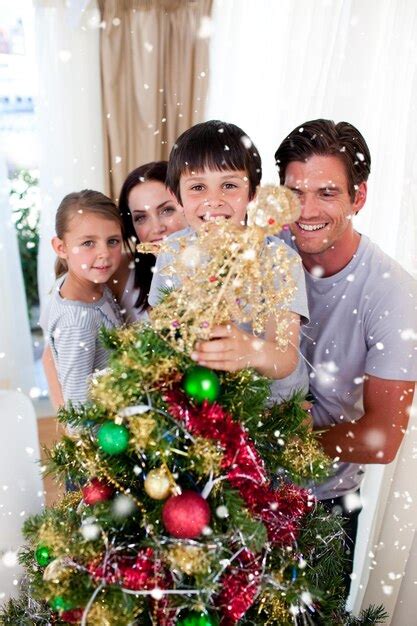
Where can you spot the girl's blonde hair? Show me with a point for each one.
(85, 201)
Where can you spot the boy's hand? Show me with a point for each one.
(229, 349)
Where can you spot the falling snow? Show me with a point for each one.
(317, 271)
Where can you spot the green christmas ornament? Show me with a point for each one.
(113, 438)
(197, 618)
(200, 383)
(43, 555)
(60, 604)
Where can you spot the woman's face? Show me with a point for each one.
(155, 212)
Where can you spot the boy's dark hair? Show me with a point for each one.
(216, 145)
(325, 138)
(144, 263)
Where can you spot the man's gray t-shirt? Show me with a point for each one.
(280, 389)
(73, 334)
(363, 320)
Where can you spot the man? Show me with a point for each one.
(360, 343)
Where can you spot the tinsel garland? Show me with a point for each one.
(240, 587)
(143, 572)
(137, 573)
(280, 510)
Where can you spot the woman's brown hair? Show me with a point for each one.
(144, 263)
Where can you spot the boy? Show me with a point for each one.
(214, 170)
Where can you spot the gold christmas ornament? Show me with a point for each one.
(56, 569)
(236, 274)
(158, 484)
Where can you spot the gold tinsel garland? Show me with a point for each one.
(188, 559)
(141, 428)
(206, 456)
(300, 455)
(106, 391)
(55, 538)
(69, 501)
(273, 609)
(100, 615)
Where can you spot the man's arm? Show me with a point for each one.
(377, 435)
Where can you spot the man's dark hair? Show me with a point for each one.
(325, 138)
(218, 146)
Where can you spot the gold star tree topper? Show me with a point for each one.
(229, 273)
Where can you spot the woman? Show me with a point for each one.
(149, 213)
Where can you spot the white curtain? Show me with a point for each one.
(389, 549)
(69, 112)
(22, 492)
(16, 358)
(274, 65)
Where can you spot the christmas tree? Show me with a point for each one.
(191, 509)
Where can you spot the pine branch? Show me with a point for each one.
(253, 532)
(370, 616)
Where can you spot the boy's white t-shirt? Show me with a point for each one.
(280, 389)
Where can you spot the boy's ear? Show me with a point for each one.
(59, 247)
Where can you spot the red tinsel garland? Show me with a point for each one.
(240, 586)
(142, 572)
(280, 510)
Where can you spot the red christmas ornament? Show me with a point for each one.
(73, 616)
(97, 491)
(186, 515)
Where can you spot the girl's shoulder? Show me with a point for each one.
(66, 313)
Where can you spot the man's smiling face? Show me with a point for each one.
(321, 185)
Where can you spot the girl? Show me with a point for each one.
(150, 213)
(88, 244)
